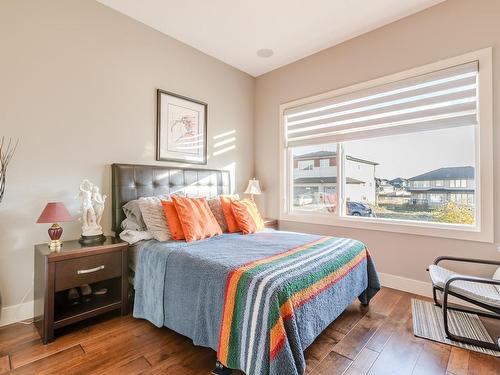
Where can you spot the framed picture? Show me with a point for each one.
(181, 129)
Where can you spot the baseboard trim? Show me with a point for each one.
(16, 313)
(413, 286)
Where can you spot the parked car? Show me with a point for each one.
(359, 209)
(303, 199)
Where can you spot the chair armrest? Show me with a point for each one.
(474, 279)
(467, 260)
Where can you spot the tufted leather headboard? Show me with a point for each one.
(132, 181)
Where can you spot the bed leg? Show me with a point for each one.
(220, 369)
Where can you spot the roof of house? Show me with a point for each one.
(324, 180)
(397, 180)
(447, 173)
(441, 190)
(331, 154)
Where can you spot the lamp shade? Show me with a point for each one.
(54, 212)
(253, 187)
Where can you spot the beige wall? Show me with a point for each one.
(446, 30)
(77, 87)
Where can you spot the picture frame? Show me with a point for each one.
(181, 130)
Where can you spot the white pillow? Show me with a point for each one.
(133, 215)
(154, 218)
(496, 276)
(133, 236)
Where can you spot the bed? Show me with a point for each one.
(258, 300)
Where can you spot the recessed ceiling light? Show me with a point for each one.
(265, 52)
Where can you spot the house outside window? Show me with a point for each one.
(399, 150)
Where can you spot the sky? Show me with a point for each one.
(408, 155)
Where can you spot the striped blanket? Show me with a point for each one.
(271, 304)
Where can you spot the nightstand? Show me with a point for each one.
(102, 265)
(271, 223)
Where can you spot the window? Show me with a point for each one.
(458, 183)
(324, 163)
(419, 126)
(421, 184)
(305, 165)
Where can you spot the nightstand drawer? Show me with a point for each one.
(86, 270)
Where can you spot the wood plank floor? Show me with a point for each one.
(373, 340)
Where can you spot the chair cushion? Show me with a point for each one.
(485, 293)
(496, 276)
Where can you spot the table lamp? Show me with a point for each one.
(253, 188)
(55, 212)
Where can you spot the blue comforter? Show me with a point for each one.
(182, 286)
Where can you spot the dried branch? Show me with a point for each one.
(7, 150)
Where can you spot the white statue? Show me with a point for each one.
(91, 208)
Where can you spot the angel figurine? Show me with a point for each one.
(91, 210)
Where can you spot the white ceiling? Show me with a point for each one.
(233, 30)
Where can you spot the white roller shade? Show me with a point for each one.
(439, 99)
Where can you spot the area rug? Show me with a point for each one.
(428, 324)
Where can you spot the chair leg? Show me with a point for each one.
(434, 296)
(466, 340)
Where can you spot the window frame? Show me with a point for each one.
(482, 231)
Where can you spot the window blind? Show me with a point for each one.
(435, 100)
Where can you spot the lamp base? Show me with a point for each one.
(55, 245)
(55, 233)
(89, 240)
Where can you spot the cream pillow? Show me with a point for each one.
(496, 276)
(154, 217)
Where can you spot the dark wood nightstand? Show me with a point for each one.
(271, 223)
(101, 265)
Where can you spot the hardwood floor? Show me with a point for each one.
(374, 340)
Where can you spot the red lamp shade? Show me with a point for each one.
(54, 212)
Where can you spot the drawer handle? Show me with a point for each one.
(90, 270)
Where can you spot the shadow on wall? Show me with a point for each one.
(224, 143)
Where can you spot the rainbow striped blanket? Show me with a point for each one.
(259, 300)
(274, 307)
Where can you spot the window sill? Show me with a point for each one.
(460, 232)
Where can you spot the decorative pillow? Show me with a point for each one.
(174, 225)
(496, 276)
(154, 218)
(133, 215)
(196, 219)
(131, 224)
(133, 236)
(216, 208)
(232, 224)
(247, 216)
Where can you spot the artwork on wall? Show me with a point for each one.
(181, 129)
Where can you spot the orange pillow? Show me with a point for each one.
(173, 222)
(247, 216)
(197, 220)
(232, 225)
